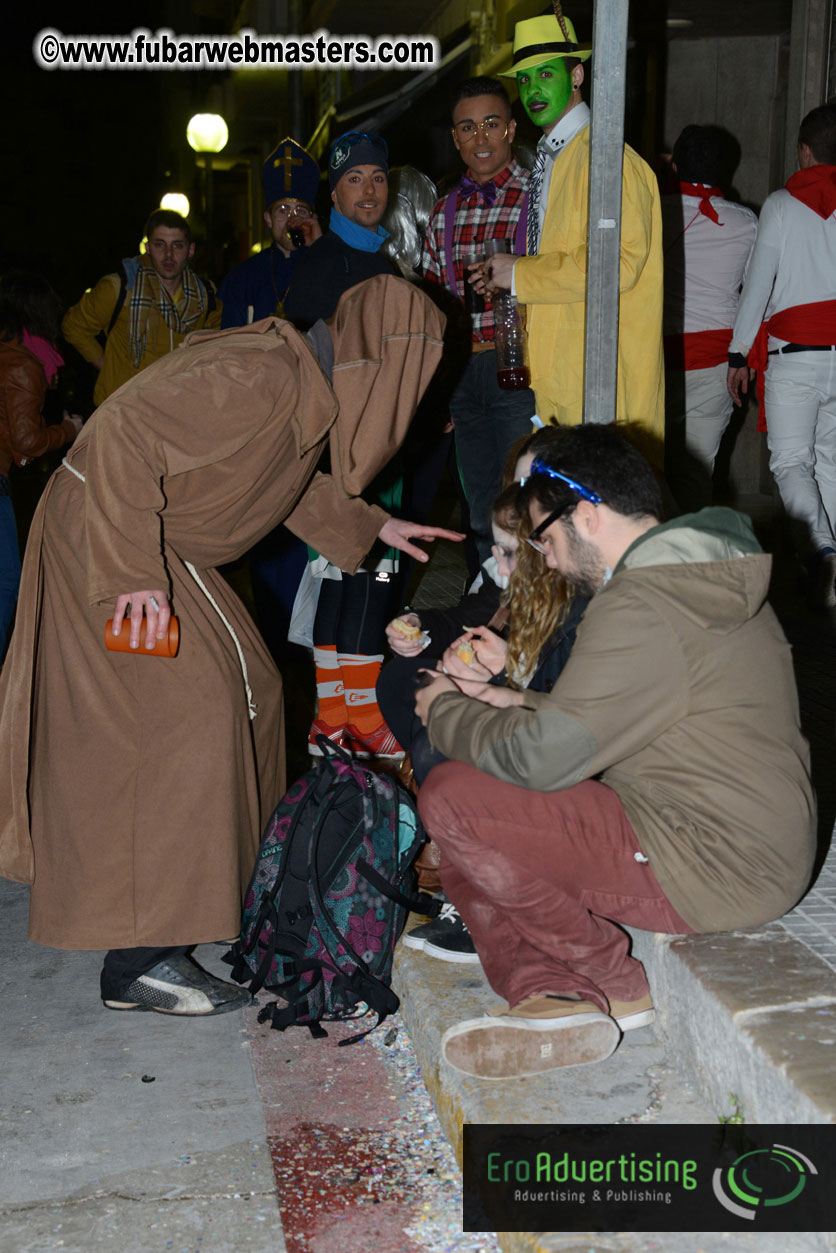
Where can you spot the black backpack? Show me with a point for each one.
(329, 896)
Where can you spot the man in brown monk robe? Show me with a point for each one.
(133, 789)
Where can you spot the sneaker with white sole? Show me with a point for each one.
(632, 1014)
(179, 986)
(541, 1034)
(446, 938)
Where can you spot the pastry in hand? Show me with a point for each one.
(465, 651)
(406, 629)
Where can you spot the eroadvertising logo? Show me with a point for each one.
(773, 1176)
(698, 1177)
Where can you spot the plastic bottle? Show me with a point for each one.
(512, 371)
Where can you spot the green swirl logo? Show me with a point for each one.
(762, 1178)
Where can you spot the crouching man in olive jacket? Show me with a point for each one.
(663, 783)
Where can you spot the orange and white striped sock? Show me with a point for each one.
(359, 678)
(330, 694)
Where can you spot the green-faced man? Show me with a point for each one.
(550, 280)
(546, 90)
(548, 67)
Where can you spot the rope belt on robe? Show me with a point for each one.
(251, 707)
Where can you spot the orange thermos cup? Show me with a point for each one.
(121, 643)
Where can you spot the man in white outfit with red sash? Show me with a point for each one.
(708, 241)
(786, 321)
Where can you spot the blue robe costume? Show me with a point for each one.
(258, 284)
(256, 289)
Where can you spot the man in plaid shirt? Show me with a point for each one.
(488, 203)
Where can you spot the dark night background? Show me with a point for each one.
(84, 152)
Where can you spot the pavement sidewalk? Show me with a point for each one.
(138, 1133)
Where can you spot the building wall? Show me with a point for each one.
(739, 84)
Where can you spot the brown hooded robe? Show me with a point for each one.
(133, 789)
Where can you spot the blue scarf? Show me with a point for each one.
(356, 236)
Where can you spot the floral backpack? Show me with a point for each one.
(329, 896)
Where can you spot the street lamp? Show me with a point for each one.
(207, 133)
(176, 201)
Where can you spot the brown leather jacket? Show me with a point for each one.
(23, 432)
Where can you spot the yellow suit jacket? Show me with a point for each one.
(552, 285)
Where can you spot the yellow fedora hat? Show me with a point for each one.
(540, 39)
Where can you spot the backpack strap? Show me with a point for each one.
(120, 300)
(421, 902)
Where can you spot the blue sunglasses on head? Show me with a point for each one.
(353, 137)
(538, 466)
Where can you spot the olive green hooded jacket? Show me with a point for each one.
(680, 695)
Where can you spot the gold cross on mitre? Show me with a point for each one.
(287, 161)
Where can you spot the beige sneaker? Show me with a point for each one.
(632, 1014)
(541, 1034)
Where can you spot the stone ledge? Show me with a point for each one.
(751, 1013)
(748, 1013)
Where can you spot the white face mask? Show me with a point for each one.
(492, 570)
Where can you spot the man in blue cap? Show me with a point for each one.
(349, 253)
(352, 609)
(256, 288)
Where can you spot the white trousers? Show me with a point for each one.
(800, 397)
(698, 407)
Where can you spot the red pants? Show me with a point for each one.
(541, 878)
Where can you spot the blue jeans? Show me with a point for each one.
(9, 568)
(487, 421)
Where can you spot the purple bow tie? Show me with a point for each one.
(487, 191)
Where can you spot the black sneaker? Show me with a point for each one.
(446, 937)
(179, 986)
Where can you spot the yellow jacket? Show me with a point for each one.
(91, 317)
(552, 285)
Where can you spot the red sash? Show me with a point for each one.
(697, 350)
(813, 324)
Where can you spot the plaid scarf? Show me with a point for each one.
(148, 293)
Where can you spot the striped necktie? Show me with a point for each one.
(534, 188)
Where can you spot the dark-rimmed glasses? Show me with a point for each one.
(538, 466)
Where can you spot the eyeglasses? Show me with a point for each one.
(538, 466)
(534, 538)
(491, 128)
(300, 211)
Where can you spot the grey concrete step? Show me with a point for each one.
(745, 1020)
(751, 1013)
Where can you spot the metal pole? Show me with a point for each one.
(609, 58)
(296, 98)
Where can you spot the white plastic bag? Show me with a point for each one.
(301, 626)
